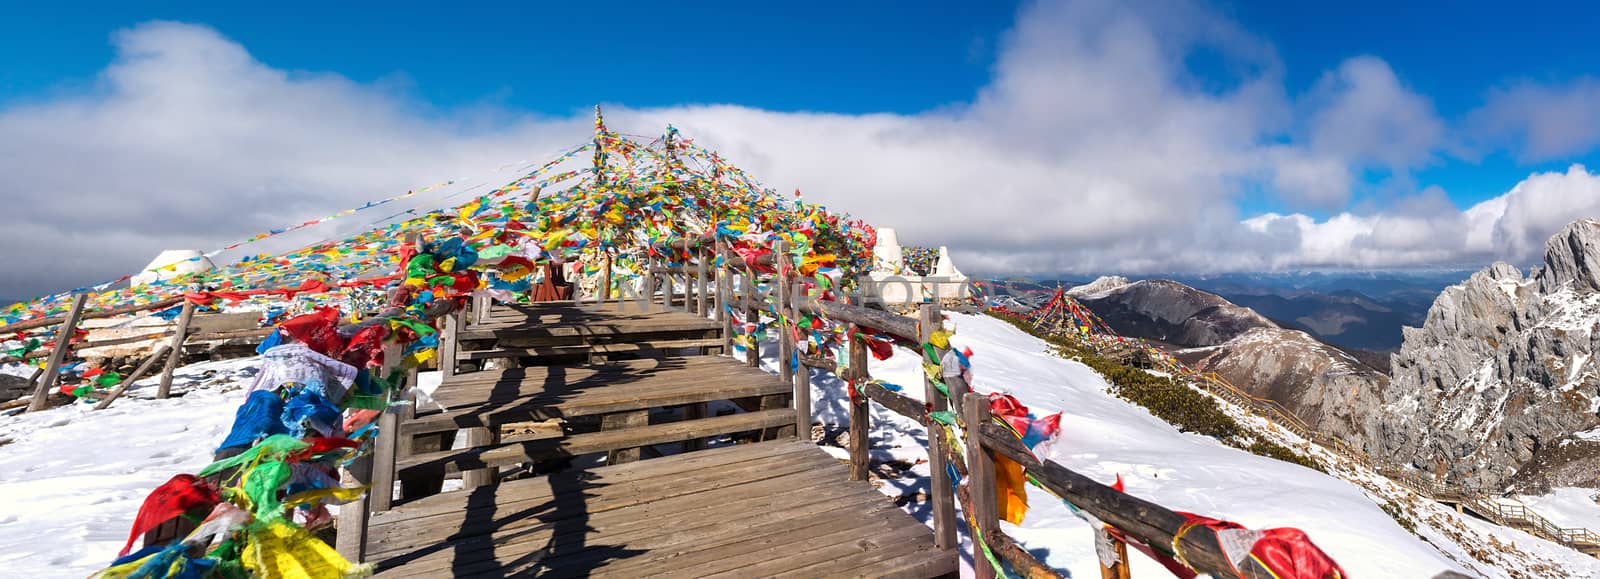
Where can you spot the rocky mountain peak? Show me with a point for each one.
(1572, 257)
(1501, 369)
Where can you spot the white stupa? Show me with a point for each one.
(889, 282)
(886, 255)
(181, 261)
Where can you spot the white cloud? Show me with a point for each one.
(1541, 122)
(1429, 230)
(1093, 148)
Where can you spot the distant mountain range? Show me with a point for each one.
(1358, 311)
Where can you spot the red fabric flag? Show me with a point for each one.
(177, 496)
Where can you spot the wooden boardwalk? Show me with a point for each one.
(640, 390)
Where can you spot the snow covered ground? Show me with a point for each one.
(1567, 507)
(73, 479)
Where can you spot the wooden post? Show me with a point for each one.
(164, 389)
(449, 342)
(137, 374)
(481, 304)
(619, 421)
(860, 408)
(52, 369)
(1118, 570)
(724, 299)
(479, 436)
(384, 452)
(943, 494)
(351, 540)
(604, 291)
(785, 338)
(752, 318)
(650, 284)
(801, 374)
(980, 479)
(700, 281)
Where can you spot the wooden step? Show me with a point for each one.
(451, 461)
(737, 382)
(582, 349)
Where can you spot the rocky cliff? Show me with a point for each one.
(1501, 371)
(1325, 386)
(1167, 311)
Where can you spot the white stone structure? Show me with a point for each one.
(891, 284)
(186, 260)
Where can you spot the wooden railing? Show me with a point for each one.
(782, 298)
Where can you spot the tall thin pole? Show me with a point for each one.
(165, 388)
(52, 369)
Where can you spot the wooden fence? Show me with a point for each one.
(705, 270)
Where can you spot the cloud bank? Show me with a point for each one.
(1093, 148)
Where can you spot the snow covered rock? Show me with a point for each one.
(1501, 370)
(1169, 311)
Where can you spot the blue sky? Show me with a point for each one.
(1110, 136)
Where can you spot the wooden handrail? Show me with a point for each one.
(93, 315)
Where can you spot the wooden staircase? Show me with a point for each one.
(545, 414)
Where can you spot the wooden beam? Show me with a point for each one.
(942, 495)
(52, 369)
(752, 318)
(164, 389)
(1148, 522)
(650, 284)
(894, 324)
(138, 373)
(899, 403)
(94, 315)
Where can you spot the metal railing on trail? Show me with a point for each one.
(1063, 317)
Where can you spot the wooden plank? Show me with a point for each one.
(52, 369)
(857, 550)
(532, 451)
(720, 459)
(602, 400)
(621, 421)
(942, 491)
(724, 289)
(138, 373)
(164, 389)
(706, 547)
(929, 561)
(512, 510)
(543, 351)
(704, 559)
(638, 513)
(752, 318)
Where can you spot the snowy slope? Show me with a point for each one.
(73, 478)
(1104, 436)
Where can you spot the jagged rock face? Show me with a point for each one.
(1170, 312)
(1328, 388)
(1501, 369)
